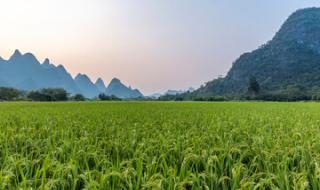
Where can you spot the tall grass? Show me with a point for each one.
(157, 145)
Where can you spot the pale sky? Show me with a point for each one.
(153, 45)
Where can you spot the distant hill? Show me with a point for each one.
(25, 72)
(170, 93)
(118, 89)
(100, 85)
(290, 60)
(154, 96)
(87, 88)
(177, 92)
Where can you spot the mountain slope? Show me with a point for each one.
(100, 85)
(118, 89)
(292, 57)
(87, 88)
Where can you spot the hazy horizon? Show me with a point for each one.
(151, 45)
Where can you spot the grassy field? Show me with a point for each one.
(159, 145)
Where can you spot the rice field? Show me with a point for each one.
(159, 145)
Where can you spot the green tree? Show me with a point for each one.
(297, 93)
(48, 94)
(8, 94)
(104, 97)
(254, 87)
(78, 97)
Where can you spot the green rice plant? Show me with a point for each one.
(159, 145)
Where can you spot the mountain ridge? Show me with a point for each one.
(100, 85)
(25, 72)
(116, 88)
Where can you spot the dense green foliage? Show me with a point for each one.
(104, 97)
(48, 94)
(8, 94)
(291, 58)
(78, 97)
(159, 145)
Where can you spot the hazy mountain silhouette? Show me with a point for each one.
(171, 92)
(25, 72)
(177, 92)
(100, 85)
(291, 58)
(118, 89)
(87, 88)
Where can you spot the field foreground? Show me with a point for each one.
(159, 145)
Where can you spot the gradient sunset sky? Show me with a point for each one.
(152, 45)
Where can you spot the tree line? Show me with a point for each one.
(290, 93)
(48, 95)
